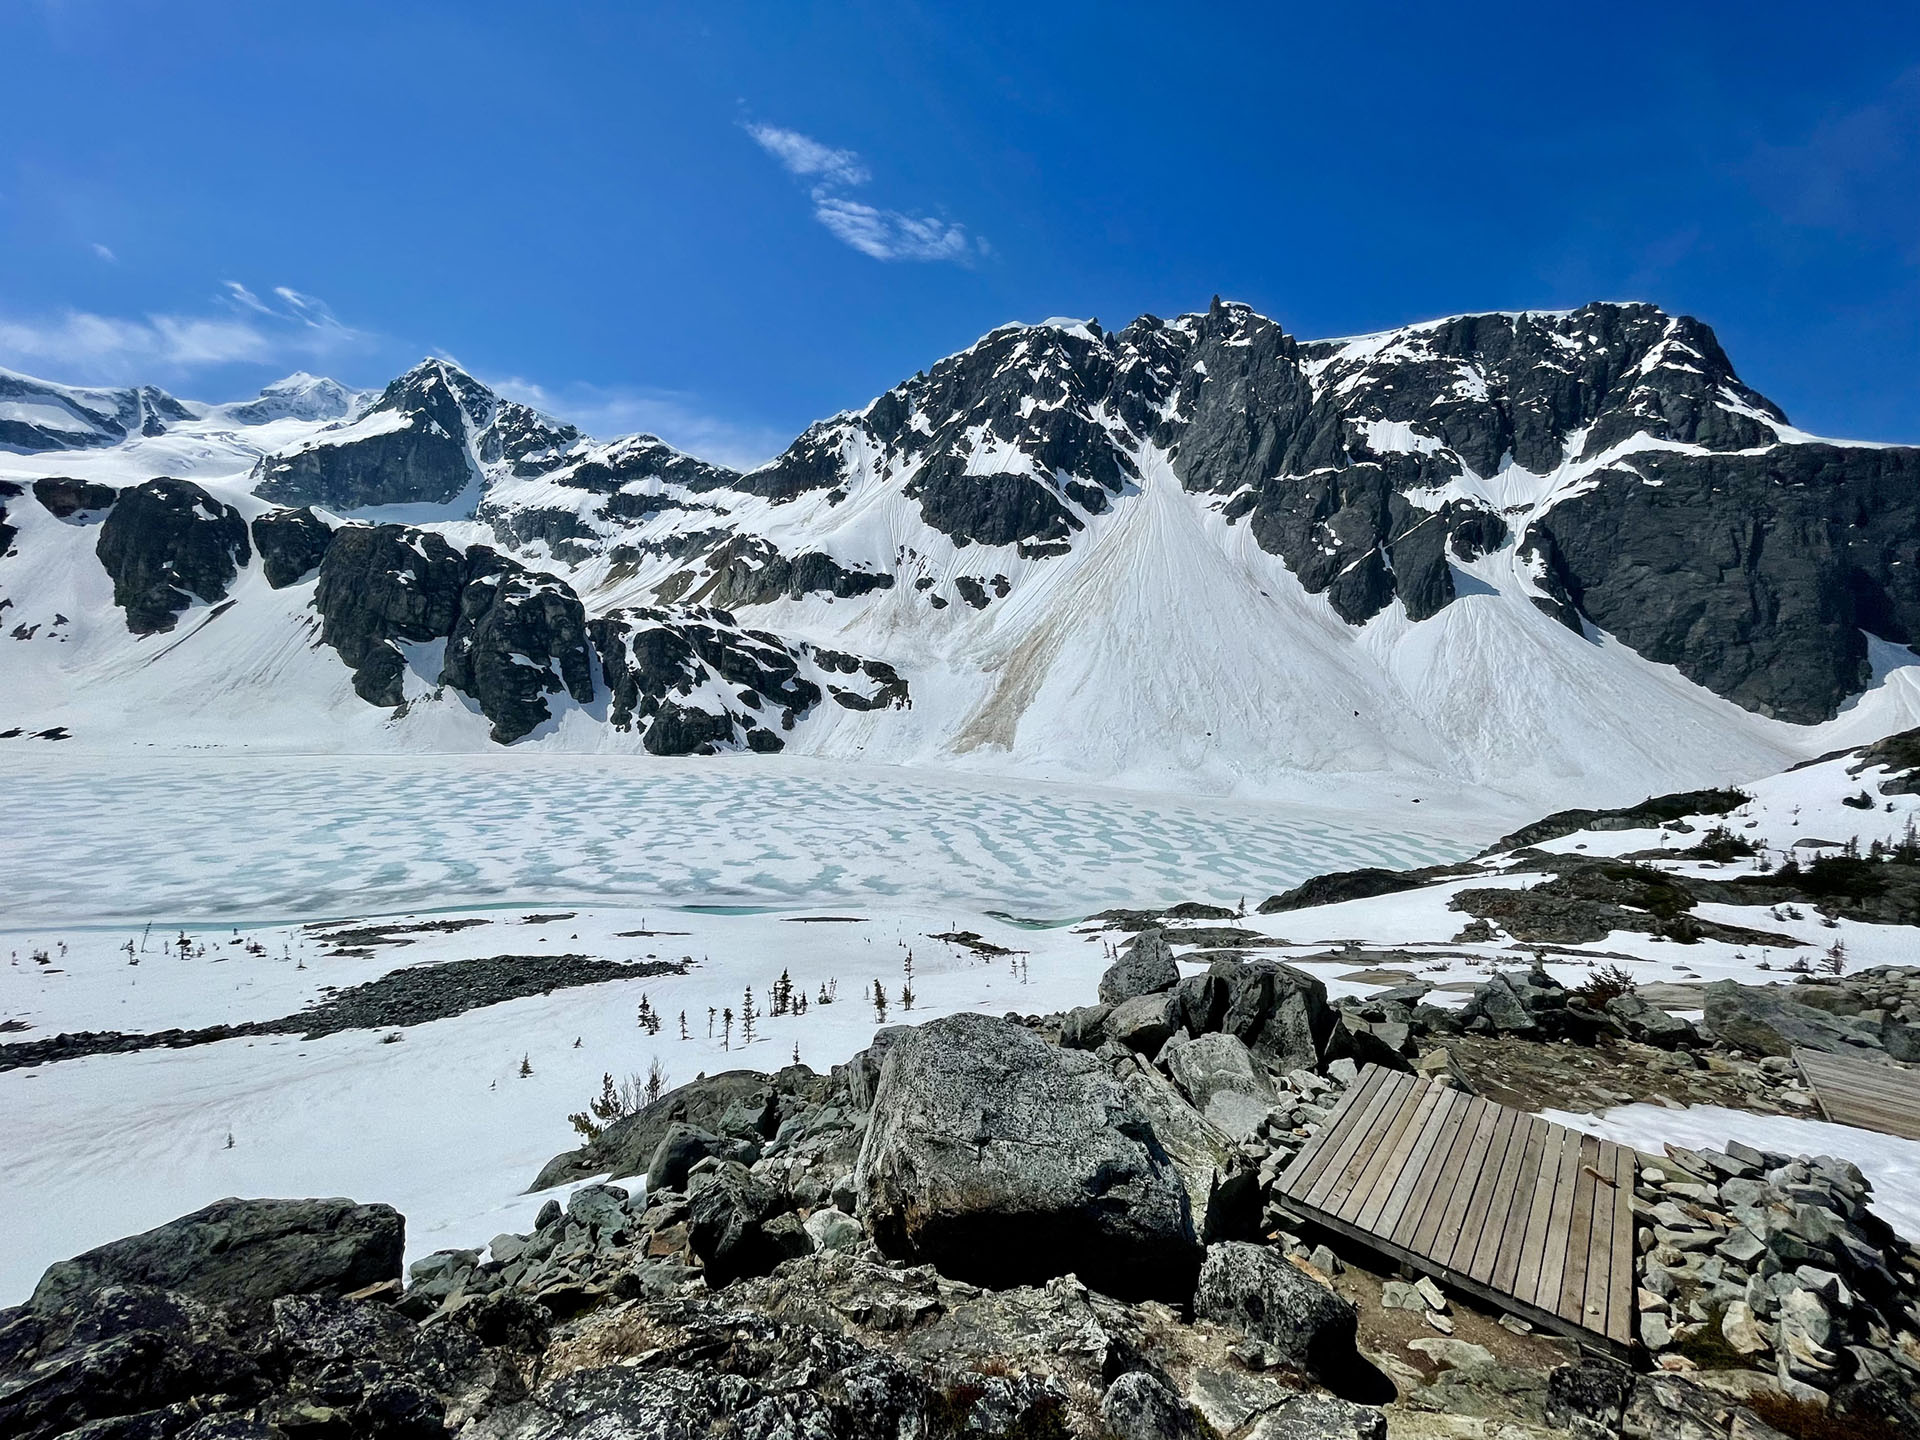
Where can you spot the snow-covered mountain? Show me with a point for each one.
(1556, 555)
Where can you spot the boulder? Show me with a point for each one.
(291, 544)
(166, 544)
(1278, 1012)
(1320, 1417)
(1303, 1324)
(832, 1229)
(1144, 1023)
(1766, 1020)
(1002, 1160)
(734, 1227)
(680, 1149)
(863, 1071)
(1139, 1407)
(1215, 1065)
(1650, 1025)
(243, 1250)
(1085, 1028)
(1145, 967)
(725, 1104)
(1223, 1191)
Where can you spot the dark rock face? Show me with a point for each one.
(1002, 1160)
(1753, 574)
(664, 668)
(62, 497)
(382, 584)
(423, 441)
(750, 571)
(243, 1249)
(507, 612)
(165, 544)
(291, 544)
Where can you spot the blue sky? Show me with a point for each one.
(722, 221)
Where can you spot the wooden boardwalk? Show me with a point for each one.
(1529, 1217)
(1860, 1093)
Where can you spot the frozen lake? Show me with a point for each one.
(219, 836)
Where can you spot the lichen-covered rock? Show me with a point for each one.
(1280, 1013)
(1254, 1289)
(1003, 1160)
(166, 544)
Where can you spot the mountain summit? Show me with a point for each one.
(1522, 549)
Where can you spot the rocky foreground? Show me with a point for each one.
(1018, 1227)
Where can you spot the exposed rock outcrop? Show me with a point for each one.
(291, 544)
(1002, 1160)
(166, 544)
(243, 1250)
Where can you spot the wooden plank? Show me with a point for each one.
(1462, 1284)
(1443, 1217)
(1350, 1143)
(1573, 1284)
(1440, 1168)
(1861, 1093)
(1378, 1172)
(1620, 1291)
(1526, 1273)
(1553, 1245)
(1593, 1310)
(1441, 1121)
(1306, 1169)
(1502, 1204)
(1394, 1093)
(1506, 1260)
(1473, 1215)
(1368, 1216)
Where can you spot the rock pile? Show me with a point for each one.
(1780, 1261)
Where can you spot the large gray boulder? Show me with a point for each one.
(1144, 1023)
(1216, 1065)
(1223, 1190)
(1304, 1326)
(1003, 1160)
(243, 1250)
(1145, 967)
(1278, 1012)
(1766, 1020)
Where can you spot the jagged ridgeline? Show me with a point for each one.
(1600, 475)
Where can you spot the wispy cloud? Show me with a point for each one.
(104, 253)
(240, 328)
(606, 411)
(884, 234)
(805, 156)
